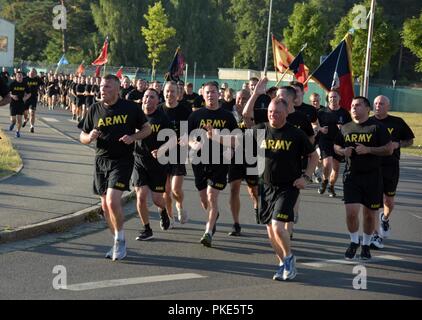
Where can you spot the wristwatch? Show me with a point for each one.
(307, 178)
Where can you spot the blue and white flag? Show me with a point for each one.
(62, 60)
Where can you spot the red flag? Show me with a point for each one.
(81, 69)
(176, 67)
(102, 58)
(119, 73)
(335, 72)
(298, 68)
(98, 71)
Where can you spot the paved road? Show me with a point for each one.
(175, 266)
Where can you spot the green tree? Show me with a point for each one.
(308, 24)
(79, 35)
(205, 38)
(30, 21)
(384, 43)
(251, 24)
(121, 22)
(157, 33)
(412, 38)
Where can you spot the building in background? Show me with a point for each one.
(7, 43)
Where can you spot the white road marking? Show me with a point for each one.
(50, 119)
(131, 281)
(416, 216)
(323, 263)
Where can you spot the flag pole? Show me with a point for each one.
(368, 50)
(282, 76)
(186, 73)
(268, 38)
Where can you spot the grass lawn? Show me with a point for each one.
(414, 121)
(10, 160)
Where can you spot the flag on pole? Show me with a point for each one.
(282, 57)
(300, 71)
(98, 71)
(102, 58)
(176, 67)
(81, 69)
(119, 73)
(138, 74)
(335, 72)
(62, 60)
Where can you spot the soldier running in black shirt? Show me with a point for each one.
(112, 123)
(148, 174)
(363, 142)
(19, 92)
(34, 83)
(402, 136)
(284, 146)
(211, 171)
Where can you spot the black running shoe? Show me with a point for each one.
(235, 230)
(32, 130)
(24, 123)
(164, 220)
(365, 253)
(145, 235)
(351, 251)
(206, 240)
(323, 187)
(331, 192)
(214, 229)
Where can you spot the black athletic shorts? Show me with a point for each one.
(390, 179)
(176, 170)
(363, 188)
(80, 100)
(16, 108)
(151, 174)
(31, 103)
(213, 175)
(326, 148)
(114, 174)
(238, 171)
(277, 203)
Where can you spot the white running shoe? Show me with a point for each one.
(182, 215)
(119, 251)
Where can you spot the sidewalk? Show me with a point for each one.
(53, 191)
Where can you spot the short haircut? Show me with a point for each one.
(254, 79)
(244, 92)
(153, 90)
(297, 84)
(212, 84)
(290, 91)
(112, 77)
(314, 94)
(189, 85)
(271, 90)
(365, 101)
(278, 100)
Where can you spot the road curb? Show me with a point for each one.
(14, 173)
(56, 225)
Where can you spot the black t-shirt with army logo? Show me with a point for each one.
(284, 149)
(33, 85)
(199, 102)
(331, 119)
(218, 119)
(262, 102)
(309, 111)
(399, 130)
(122, 118)
(371, 133)
(158, 121)
(18, 89)
(125, 91)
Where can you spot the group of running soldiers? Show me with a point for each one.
(125, 120)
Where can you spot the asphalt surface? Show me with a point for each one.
(235, 268)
